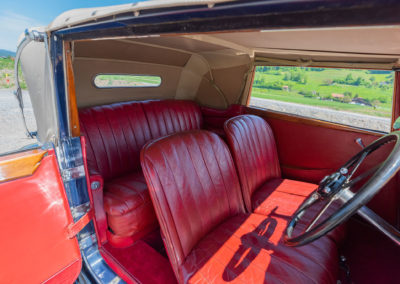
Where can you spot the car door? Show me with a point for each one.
(310, 148)
(36, 241)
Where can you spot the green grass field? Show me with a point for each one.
(106, 80)
(7, 73)
(315, 86)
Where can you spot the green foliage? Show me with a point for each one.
(295, 76)
(6, 63)
(348, 94)
(375, 103)
(276, 85)
(350, 81)
(346, 99)
(320, 83)
(7, 72)
(309, 94)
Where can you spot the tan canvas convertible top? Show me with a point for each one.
(213, 69)
(81, 16)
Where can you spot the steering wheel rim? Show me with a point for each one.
(353, 201)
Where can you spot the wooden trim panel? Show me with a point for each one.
(71, 92)
(20, 164)
(269, 114)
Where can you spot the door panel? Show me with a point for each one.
(34, 218)
(310, 149)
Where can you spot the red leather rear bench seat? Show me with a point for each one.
(115, 135)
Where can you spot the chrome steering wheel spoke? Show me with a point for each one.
(320, 213)
(339, 185)
(379, 223)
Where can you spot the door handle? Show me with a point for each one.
(360, 143)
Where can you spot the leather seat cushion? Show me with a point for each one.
(128, 205)
(208, 236)
(248, 248)
(284, 196)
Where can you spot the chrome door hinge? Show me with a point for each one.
(73, 173)
(74, 228)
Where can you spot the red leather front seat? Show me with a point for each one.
(208, 236)
(264, 190)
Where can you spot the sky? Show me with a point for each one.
(17, 15)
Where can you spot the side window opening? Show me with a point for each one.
(355, 97)
(13, 136)
(126, 81)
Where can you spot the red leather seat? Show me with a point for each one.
(254, 150)
(208, 236)
(129, 206)
(115, 135)
(172, 116)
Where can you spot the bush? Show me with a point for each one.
(309, 94)
(375, 103)
(277, 85)
(286, 77)
(346, 99)
(350, 81)
(383, 100)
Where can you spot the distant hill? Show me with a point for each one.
(4, 52)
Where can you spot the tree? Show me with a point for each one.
(348, 94)
(358, 81)
(346, 99)
(375, 103)
(286, 77)
(383, 100)
(305, 79)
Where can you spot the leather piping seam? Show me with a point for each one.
(160, 216)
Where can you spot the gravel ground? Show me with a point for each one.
(343, 117)
(12, 131)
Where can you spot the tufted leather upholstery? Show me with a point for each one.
(171, 116)
(253, 148)
(197, 172)
(208, 236)
(115, 135)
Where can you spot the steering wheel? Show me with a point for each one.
(338, 187)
